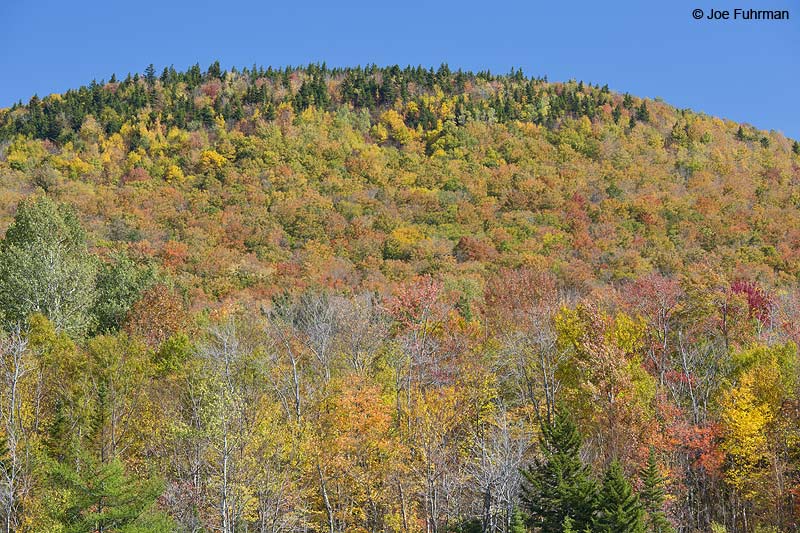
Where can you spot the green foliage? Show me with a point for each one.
(642, 113)
(173, 354)
(95, 496)
(619, 509)
(518, 520)
(488, 247)
(119, 284)
(652, 496)
(559, 485)
(45, 267)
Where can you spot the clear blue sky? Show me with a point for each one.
(745, 71)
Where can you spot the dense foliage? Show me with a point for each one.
(385, 299)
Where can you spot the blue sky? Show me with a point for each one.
(745, 71)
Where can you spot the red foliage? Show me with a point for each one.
(414, 300)
(701, 445)
(759, 302)
(520, 296)
(211, 88)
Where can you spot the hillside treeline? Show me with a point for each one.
(384, 299)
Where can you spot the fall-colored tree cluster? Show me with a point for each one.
(394, 300)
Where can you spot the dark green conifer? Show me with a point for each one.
(559, 484)
(619, 509)
(642, 114)
(740, 134)
(616, 113)
(102, 497)
(652, 497)
(517, 522)
(627, 101)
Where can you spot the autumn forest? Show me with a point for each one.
(400, 300)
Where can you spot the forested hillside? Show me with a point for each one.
(394, 300)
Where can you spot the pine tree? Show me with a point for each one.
(627, 101)
(616, 113)
(517, 522)
(642, 113)
(619, 508)
(796, 147)
(102, 497)
(93, 491)
(150, 74)
(652, 497)
(559, 485)
(740, 134)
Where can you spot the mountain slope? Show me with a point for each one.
(356, 299)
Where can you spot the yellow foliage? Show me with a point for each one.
(629, 333)
(396, 127)
(24, 154)
(744, 420)
(407, 235)
(211, 160)
(174, 173)
(380, 133)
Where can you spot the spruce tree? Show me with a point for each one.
(642, 114)
(740, 134)
(91, 490)
(619, 508)
(150, 74)
(627, 101)
(616, 113)
(652, 497)
(101, 497)
(559, 485)
(517, 522)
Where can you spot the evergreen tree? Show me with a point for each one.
(616, 113)
(627, 101)
(559, 485)
(652, 497)
(101, 497)
(150, 74)
(92, 490)
(619, 509)
(642, 114)
(796, 147)
(517, 522)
